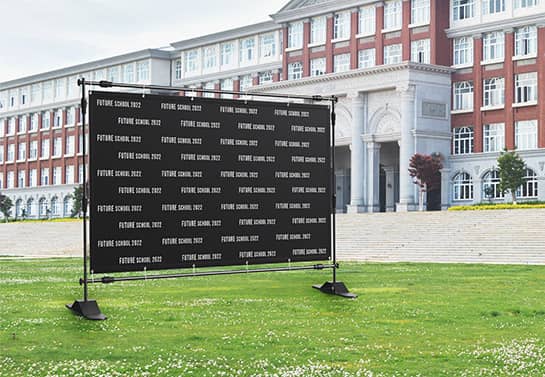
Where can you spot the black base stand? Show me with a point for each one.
(87, 309)
(335, 288)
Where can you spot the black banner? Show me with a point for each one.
(178, 182)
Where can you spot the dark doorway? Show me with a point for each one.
(382, 190)
(434, 198)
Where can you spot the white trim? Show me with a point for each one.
(385, 31)
(490, 108)
(370, 34)
(524, 104)
(340, 40)
(493, 61)
(291, 49)
(462, 66)
(315, 44)
(524, 57)
(411, 26)
(462, 111)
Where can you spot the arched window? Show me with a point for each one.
(54, 206)
(18, 208)
(66, 207)
(463, 186)
(30, 207)
(529, 188)
(491, 185)
(42, 207)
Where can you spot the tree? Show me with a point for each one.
(512, 170)
(425, 170)
(5, 206)
(77, 198)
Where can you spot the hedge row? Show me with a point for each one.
(485, 207)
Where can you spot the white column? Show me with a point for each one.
(477, 190)
(390, 192)
(541, 188)
(406, 148)
(357, 154)
(373, 177)
(445, 189)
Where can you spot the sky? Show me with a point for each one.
(43, 35)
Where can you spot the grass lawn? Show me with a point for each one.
(409, 320)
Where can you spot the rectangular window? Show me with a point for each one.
(191, 61)
(392, 54)
(493, 6)
(45, 149)
(11, 126)
(245, 82)
(526, 134)
(341, 63)
(265, 77)
(69, 147)
(227, 85)
(21, 151)
(526, 41)
(366, 58)
(227, 52)
(392, 14)
(57, 147)
(341, 25)
(247, 50)
(99, 75)
(295, 35)
(142, 71)
(57, 175)
(44, 177)
(80, 174)
(113, 74)
(34, 119)
(267, 45)
(318, 30)
(210, 57)
(46, 120)
(493, 137)
(463, 95)
(33, 178)
(178, 69)
(494, 92)
(1, 156)
(526, 87)
(21, 129)
(24, 97)
(60, 88)
(317, 67)
(295, 71)
(33, 151)
(69, 174)
(47, 90)
(463, 9)
(71, 116)
(525, 3)
(462, 140)
(209, 86)
(493, 46)
(420, 12)
(21, 178)
(367, 20)
(35, 93)
(128, 73)
(57, 119)
(10, 181)
(463, 51)
(420, 51)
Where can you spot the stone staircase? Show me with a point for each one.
(501, 236)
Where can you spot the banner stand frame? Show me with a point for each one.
(89, 308)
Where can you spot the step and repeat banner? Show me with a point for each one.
(178, 182)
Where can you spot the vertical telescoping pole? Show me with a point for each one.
(333, 190)
(84, 196)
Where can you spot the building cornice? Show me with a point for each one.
(354, 74)
(486, 156)
(226, 35)
(288, 14)
(85, 67)
(495, 25)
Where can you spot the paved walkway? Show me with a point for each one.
(41, 239)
